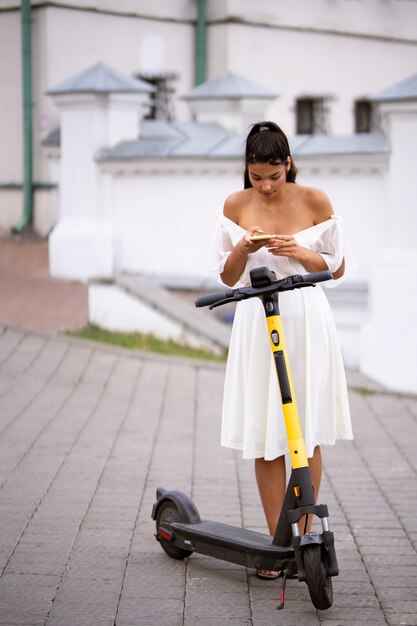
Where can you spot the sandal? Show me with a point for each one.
(266, 574)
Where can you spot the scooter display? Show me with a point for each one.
(310, 555)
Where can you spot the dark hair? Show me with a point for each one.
(267, 143)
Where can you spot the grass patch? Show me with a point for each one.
(146, 343)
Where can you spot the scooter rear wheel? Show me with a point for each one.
(318, 580)
(168, 513)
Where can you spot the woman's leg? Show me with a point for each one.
(270, 477)
(271, 481)
(315, 464)
(316, 467)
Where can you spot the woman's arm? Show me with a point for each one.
(237, 259)
(236, 262)
(287, 245)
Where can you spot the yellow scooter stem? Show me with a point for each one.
(296, 445)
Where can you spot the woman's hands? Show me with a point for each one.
(251, 246)
(237, 259)
(278, 245)
(286, 245)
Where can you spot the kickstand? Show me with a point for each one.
(282, 590)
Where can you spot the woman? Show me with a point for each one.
(305, 237)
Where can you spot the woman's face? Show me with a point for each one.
(267, 179)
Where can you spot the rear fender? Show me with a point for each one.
(187, 511)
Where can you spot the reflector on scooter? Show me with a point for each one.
(165, 534)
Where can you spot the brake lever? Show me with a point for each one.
(226, 300)
(298, 286)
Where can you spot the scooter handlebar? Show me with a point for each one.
(317, 277)
(212, 298)
(234, 295)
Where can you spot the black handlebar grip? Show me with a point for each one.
(317, 277)
(212, 298)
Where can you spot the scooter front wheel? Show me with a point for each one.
(168, 513)
(318, 580)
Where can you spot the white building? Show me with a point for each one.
(124, 194)
(145, 205)
(322, 58)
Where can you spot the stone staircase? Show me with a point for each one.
(135, 302)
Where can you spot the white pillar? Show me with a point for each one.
(389, 338)
(81, 245)
(235, 115)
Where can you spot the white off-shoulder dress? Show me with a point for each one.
(252, 419)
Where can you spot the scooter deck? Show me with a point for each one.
(233, 544)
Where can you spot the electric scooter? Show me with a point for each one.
(310, 556)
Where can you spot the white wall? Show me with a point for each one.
(297, 63)
(163, 212)
(172, 10)
(343, 48)
(11, 113)
(66, 41)
(359, 195)
(389, 19)
(165, 220)
(81, 39)
(162, 221)
(389, 339)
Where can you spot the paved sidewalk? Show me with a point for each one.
(29, 297)
(87, 434)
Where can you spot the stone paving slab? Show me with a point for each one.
(87, 434)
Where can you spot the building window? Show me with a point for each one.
(162, 100)
(311, 116)
(366, 118)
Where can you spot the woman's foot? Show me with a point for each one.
(267, 574)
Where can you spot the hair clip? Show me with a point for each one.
(261, 128)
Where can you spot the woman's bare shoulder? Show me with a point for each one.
(318, 203)
(233, 205)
